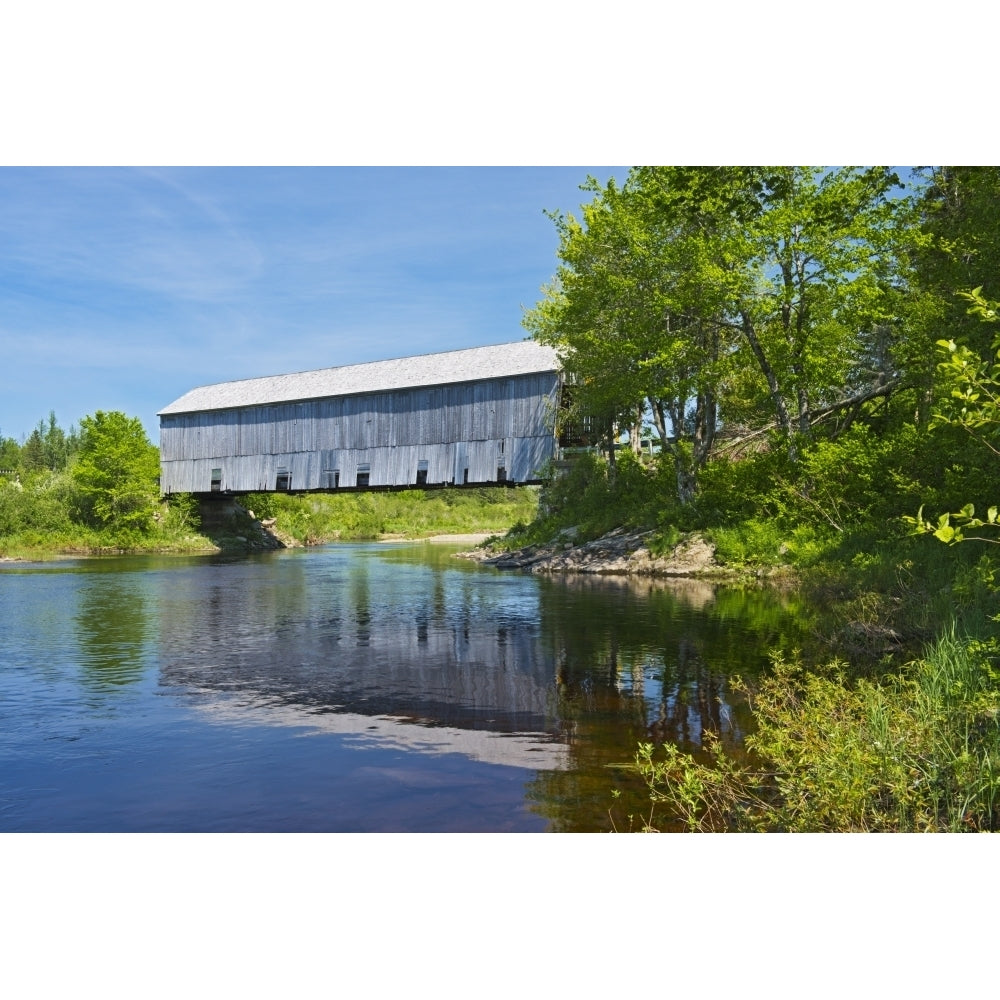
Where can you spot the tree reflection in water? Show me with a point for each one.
(595, 665)
(490, 693)
(112, 628)
(648, 662)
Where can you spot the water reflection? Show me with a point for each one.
(641, 661)
(391, 643)
(662, 652)
(288, 674)
(309, 638)
(111, 620)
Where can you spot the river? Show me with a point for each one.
(356, 687)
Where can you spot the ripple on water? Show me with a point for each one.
(350, 688)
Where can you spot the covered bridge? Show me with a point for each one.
(482, 415)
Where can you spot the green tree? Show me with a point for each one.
(958, 208)
(634, 337)
(806, 267)
(116, 474)
(10, 453)
(755, 296)
(55, 444)
(49, 446)
(33, 452)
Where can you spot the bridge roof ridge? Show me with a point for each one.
(471, 364)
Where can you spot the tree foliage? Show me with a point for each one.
(803, 267)
(117, 473)
(49, 446)
(972, 403)
(634, 340)
(753, 296)
(10, 454)
(958, 209)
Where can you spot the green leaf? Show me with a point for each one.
(946, 533)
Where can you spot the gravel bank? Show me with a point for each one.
(620, 552)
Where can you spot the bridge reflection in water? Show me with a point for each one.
(358, 687)
(401, 644)
(373, 642)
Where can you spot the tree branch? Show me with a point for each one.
(818, 415)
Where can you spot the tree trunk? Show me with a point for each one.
(782, 417)
(635, 434)
(687, 479)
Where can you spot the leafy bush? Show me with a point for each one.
(411, 513)
(578, 493)
(919, 751)
(263, 505)
(43, 502)
(180, 514)
(752, 543)
(859, 477)
(116, 475)
(733, 491)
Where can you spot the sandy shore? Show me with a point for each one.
(473, 539)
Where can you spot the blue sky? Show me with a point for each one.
(123, 288)
(120, 289)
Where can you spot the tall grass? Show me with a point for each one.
(916, 751)
(42, 517)
(412, 513)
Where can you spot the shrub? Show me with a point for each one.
(41, 503)
(733, 491)
(752, 543)
(262, 504)
(116, 474)
(919, 751)
(180, 514)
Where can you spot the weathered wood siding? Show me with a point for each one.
(478, 426)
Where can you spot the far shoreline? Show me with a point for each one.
(468, 538)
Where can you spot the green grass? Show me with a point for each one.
(41, 524)
(315, 518)
(40, 520)
(914, 751)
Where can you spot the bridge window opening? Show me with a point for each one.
(501, 474)
(465, 475)
(284, 480)
(422, 467)
(216, 480)
(330, 479)
(364, 474)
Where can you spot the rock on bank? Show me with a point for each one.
(620, 552)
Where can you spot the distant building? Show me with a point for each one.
(482, 415)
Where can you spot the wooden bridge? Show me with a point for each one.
(485, 415)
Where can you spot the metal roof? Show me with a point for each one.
(473, 364)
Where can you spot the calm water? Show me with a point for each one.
(381, 687)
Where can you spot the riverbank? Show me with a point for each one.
(40, 519)
(619, 552)
(263, 536)
(249, 536)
